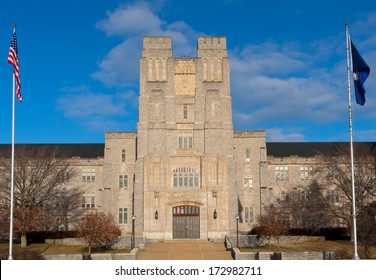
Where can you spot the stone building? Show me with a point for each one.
(185, 173)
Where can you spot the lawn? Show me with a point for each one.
(35, 249)
(346, 248)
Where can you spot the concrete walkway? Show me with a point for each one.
(185, 250)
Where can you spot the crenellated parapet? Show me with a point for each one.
(157, 46)
(213, 44)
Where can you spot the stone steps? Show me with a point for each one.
(185, 250)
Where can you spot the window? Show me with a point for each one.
(185, 177)
(88, 200)
(282, 173)
(282, 196)
(185, 140)
(123, 181)
(63, 177)
(186, 210)
(123, 155)
(123, 215)
(333, 197)
(88, 175)
(248, 154)
(248, 181)
(306, 173)
(185, 112)
(248, 214)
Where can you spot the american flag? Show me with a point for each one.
(13, 60)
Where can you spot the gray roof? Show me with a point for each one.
(308, 149)
(87, 150)
(276, 149)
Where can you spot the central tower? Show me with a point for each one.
(185, 162)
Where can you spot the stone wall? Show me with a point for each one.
(250, 154)
(121, 242)
(63, 257)
(254, 240)
(313, 255)
(67, 241)
(119, 256)
(125, 242)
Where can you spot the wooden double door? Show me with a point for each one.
(186, 222)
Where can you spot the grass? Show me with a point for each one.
(36, 249)
(33, 251)
(346, 248)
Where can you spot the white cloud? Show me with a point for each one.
(269, 58)
(286, 84)
(278, 135)
(89, 104)
(135, 19)
(121, 65)
(97, 111)
(131, 22)
(364, 27)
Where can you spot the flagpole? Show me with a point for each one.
(10, 257)
(348, 51)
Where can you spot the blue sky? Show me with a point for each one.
(80, 64)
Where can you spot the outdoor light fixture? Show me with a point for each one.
(215, 215)
(237, 230)
(133, 243)
(156, 215)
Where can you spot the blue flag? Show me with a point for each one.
(361, 71)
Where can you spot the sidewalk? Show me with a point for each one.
(185, 250)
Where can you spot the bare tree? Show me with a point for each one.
(97, 229)
(41, 196)
(366, 227)
(334, 179)
(272, 224)
(326, 200)
(305, 207)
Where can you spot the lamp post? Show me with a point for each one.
(237, 230)
(133, 237)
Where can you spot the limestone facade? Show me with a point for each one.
(185, 155)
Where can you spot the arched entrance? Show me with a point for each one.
(186, 222)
